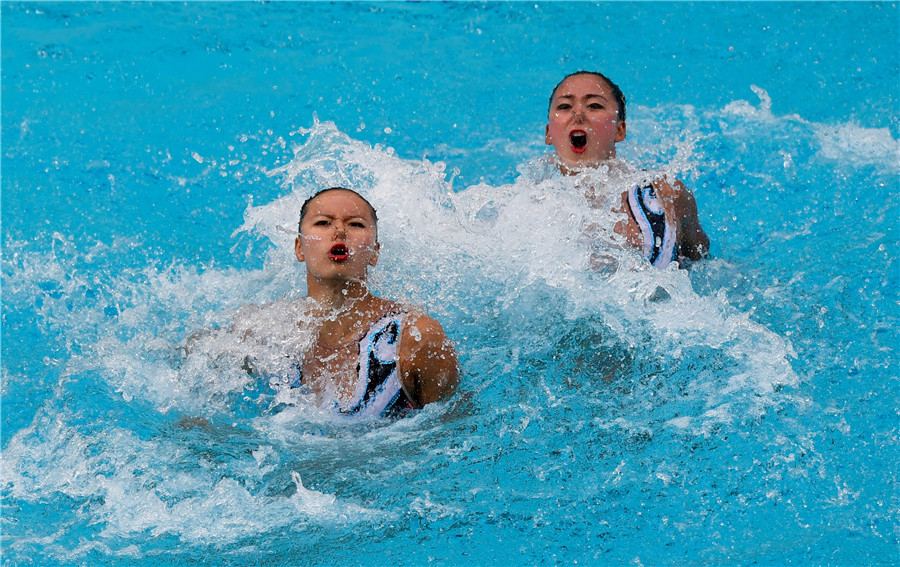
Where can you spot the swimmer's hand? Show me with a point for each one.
(681, 208)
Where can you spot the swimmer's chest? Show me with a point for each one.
(336, 368)
(346, 370)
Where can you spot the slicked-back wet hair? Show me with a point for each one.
(616, 91)
(306, 203)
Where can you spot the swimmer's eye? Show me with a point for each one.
(595, 106)
(358, 225)
(563, 106)
(321, 223)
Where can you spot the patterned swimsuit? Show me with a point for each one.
(660, 246)
(377, 390)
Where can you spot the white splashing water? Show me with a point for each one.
(503, 268)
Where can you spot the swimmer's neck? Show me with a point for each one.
(580, 167)
(336, 296)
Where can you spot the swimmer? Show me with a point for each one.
(371, 356)
(586, 119)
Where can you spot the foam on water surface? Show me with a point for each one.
(544, 335)
(609, 412)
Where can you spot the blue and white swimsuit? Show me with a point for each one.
(378, 390)
(660, 246)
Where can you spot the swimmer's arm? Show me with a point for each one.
(681, 206)
(428, 364)
(234, 338)
(204, 342)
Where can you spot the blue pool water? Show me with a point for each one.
(154, 157)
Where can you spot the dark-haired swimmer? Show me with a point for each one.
(371, 356)
(586, 119)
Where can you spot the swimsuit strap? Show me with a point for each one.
(660, 246)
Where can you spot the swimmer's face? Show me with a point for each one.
(583, 125)
(338, 238)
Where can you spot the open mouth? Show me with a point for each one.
(579, 140)
(339, 252)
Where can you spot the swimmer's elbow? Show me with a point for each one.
(696, 249)
(438, 378)
(451, 382)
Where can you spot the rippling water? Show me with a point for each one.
(154, 160)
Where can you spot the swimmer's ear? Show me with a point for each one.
(547, 139)
(374, 259)
(298, 249)
(620, 130)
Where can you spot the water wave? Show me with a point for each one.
(577, 356)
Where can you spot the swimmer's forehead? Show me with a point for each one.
(339, 204)
(575, 86)
(588, 95)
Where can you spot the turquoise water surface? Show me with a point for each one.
(154, 158)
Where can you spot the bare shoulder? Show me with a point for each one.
(422, 327)
(428, 361)
(681, 207)
(675, 194)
